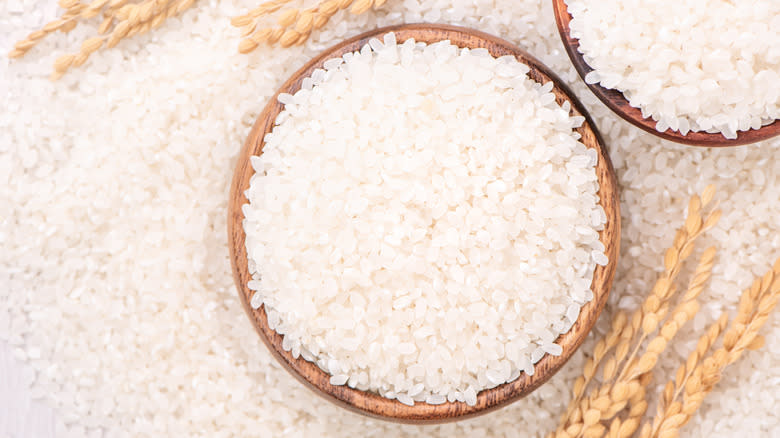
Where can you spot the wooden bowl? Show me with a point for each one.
(369, 403)
(618, 103)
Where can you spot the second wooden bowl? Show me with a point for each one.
(370, 403)
(618, 103)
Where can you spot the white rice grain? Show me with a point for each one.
(691, 65)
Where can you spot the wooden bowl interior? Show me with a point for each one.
(619, 104)
(372, 404)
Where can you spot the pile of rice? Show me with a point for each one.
(115, 282)
(423, 222)
(691, 65)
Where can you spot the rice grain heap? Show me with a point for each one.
(691, 65)
(118, 229)
(423, 221)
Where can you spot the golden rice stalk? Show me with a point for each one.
(105, 25)
(305, 22)
(625, 389)
(360, 6)
(275, 34)
(655, 307)
(320, 20)
(247, 45)
(615, 409)
(67, 4)
(683, 312)
(113, 5)
(287, 18)
(248, 29)
(301, 39)
(329, 7)
(120, 20)
(63, 23)
(293, 26)
(242, 21)
(668, 405)
(603, 346)
(288, 38)
(742, 334)
(93, 9)
(624, 428)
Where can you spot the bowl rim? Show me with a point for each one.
(618, 104)
(372, 404)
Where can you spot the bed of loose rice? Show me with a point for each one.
(691, 65)
(114, 272)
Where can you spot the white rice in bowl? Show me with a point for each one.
(423, 221)
(691, 65)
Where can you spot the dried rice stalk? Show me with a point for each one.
(698, 377)
(603, 346)
(683, 312)
(625, 389)
(120, 19)
(293, 25)
(668, 405)
(656, 306)
(624, 428)
(615, 408)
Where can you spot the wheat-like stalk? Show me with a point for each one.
(625, 389)
(668, 405)
(756, 303)
(293, 26)
(603, 346)
(65, 23)
(624, 428)
(120, 19)
(615, 409)
(683, 312)
(655, 308)
(641, 369)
